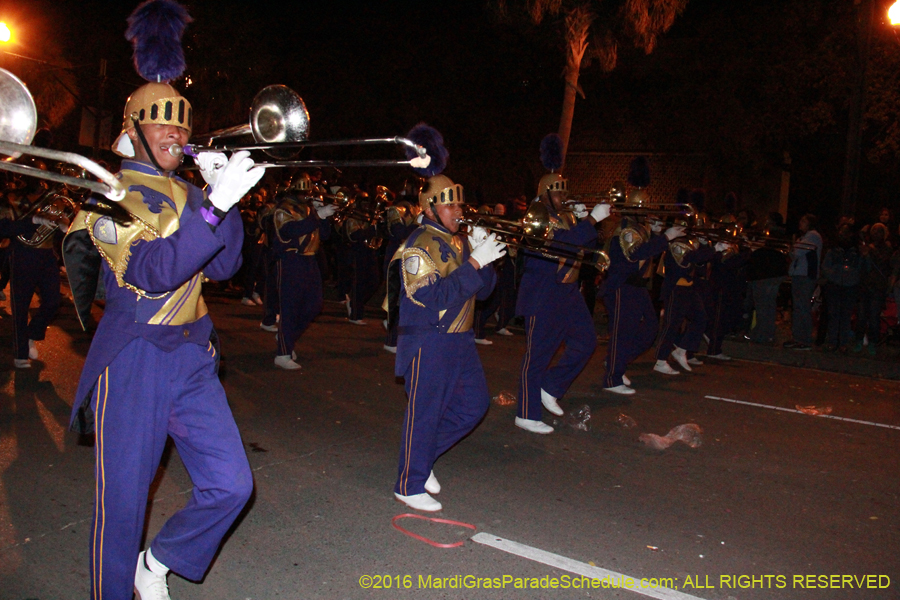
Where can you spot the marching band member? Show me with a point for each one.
(443, 275)
(271, 308)
(725, 298)
(362, 243)
(506, 283)
(632, 319)
(299, 225)
(151, 369)
(33, 268)
(682, 302)
(549, 299)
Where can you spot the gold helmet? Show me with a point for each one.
(552, 182)
(440, 190)
(157, 103)
(301, 183)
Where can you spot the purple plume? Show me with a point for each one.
(431, 139)
(552, 152)
(639, 172)
(155, 29)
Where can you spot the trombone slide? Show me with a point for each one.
(108, 185)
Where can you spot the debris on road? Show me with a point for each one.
(814, 410)
(625, 421)
(689, 433)
(505, 398)
(580, 419)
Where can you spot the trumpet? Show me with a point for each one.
(18, 123)
(534, 231)
(279, 124)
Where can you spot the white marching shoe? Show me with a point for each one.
(625, 380)
(504, 331)
(422, 502)
(719, 356)
(391, 349)
(533, 426)
(269, 328)
(148, 583)
(22, 363)
(432, 486)
(32, 350)
(620, 389)
(247, 302)
(483, 341)
(694, 361)
(550, 403)
(286, 362)
(665, 368)
(356, 321)
(680, 356)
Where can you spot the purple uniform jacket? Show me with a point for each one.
(622, 270)
(676, 272)
(541, 278)
(157, 267)
(439, 302)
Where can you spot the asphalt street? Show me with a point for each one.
(775, 504)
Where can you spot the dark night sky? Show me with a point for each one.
(493, 90)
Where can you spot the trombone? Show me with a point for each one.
(18, 123)
(279, 124)
(631, 210)
(534, 231)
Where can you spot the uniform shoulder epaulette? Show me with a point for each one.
(630, 238)
(679, 247)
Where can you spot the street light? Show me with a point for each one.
(894, 13)
(5, 33)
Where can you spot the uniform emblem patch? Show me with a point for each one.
(446, 250)
(105, 231)
(153, 199)
(411, 265)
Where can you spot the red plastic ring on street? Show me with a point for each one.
(433, 520)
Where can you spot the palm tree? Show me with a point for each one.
(592, 30)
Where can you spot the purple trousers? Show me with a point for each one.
(683, 304)
(632, 329)
(554, 324)
(448, 397)
(144, 396)
(300, 298)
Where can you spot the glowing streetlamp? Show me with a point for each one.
(894, 13)
(5, 33)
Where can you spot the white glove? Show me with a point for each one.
(488, 251)
(325, 210)
(420, 217)
(477, 235)
(579, 210)
(601, 211)
(721, 247)
(235, 180)
(674, 232)
(42, 221)
(211, 165)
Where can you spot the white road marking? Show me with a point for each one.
(579, 568)
(791, 410)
